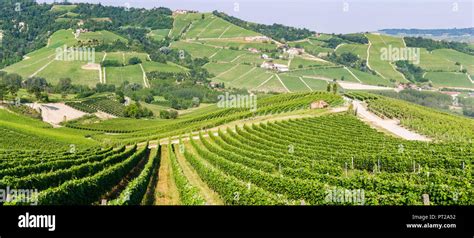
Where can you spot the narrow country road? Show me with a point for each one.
(387, 124)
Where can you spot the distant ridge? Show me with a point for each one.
(433, 32)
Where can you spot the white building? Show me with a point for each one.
(295, 51)
(273, 66)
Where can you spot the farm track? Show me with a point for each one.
(166, 191)
(264, 82)
(211, 197)
(42, 68)
(391, 126)
(146, 83)
(353, 75)
(301, 79)
(368, 62)
(279, 79)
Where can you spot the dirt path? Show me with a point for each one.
(105, 76)
(469, 77)
(205, 28)
(359, 86)
(368, 56)
(243, 75)
(42, 68)
(166, 191)
(338, 46)
(211, 197)
(226, 29)
(279, 79)
(145, 80)
(105, 56)
(353, 75)
(389, 125)
(301, 79)
(264, 82)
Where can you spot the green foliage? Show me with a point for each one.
(168, 114)
(410, 71)
(134, 60)
(188, 194)
(137, 111)
(111, 63)
(89, 189)
(438, 125)
(431, 45)
(275, 31)
(425, 98)
(135, 191)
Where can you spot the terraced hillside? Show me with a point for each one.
(88, 69)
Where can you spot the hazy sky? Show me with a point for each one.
(338, 16)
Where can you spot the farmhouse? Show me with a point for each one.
(318, 104)
(295, 51)
(253, 50)
(273, 66)
(267, 65)
(79, 31)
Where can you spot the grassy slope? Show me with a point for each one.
(42, 134)
(376, 62)
(449, 79)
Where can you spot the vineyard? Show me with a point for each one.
(293, 162)
(103, 104)
(238, 156)
(439, 125)
(121, 176)
(205, 119)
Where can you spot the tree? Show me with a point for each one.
(203, 16)
(169, 114)
(13, 83)
(137, 111)
(120, 96)
(334, 88)
(134, 60)
(148, 98)
(3, 91)
(328, 88)
(64, 85)
(36, 85)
